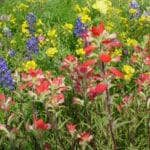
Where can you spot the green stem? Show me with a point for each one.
(147, 122)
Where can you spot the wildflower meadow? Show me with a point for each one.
(75, 74)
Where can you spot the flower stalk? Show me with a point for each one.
(108, 101)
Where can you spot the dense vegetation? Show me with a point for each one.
(74, 74)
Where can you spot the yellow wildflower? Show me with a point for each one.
(85, 10)
(52, 33)
(77, 8)
(102, 6)
(53, 42)
(117, 52)
(22, 7)
(40, 31)
(51, 52)
(80, 52)
(68, 26)
(85, 18)
(12, 42)
(128, 69)
(133, 11)
(12, 19)
(142, 19)
(31, 64)
(39, 22)
(25, 27)
(131, 42)
(80, 41)
(128, 77)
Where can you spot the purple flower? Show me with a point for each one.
(11, 52)
(135, 5)
(6, 80)
(32, 45)
(7, 32)
(80, 28)
(31, 18)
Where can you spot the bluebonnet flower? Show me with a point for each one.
(31, 18)
(7, 32)
(32, 45)
(5, 76)
(135, 5)
(11, 52)
(80, 28)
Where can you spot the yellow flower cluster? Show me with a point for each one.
(117, 52)
(31, 64)
(21, 6)
(83, 13)
(144, 19)
(131, 42)
(80, 52)
(39, 22)
(85, 18)
(68, 27)
(52, 33)
(51, 52)
(13, 42)
(52, 37)
(24, 28)
(133, 11)
(102, 6)
(129, 72)
(12, 19)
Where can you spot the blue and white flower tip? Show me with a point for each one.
(134, 4)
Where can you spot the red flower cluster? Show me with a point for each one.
(85, 138)
(40, 124)
(105, 58)
(98, 89)
(97, 31)
(116, 72)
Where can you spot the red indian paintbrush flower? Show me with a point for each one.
(97, 31)
(69, 62)
(40, 124)
(85, 137)
(89, 49)
(71, 128)
(104, 57)
(43, 87)
(100, 88)
(116, 72)
(89, 62)
(112, 43)
(34, 73)
(59, 99)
